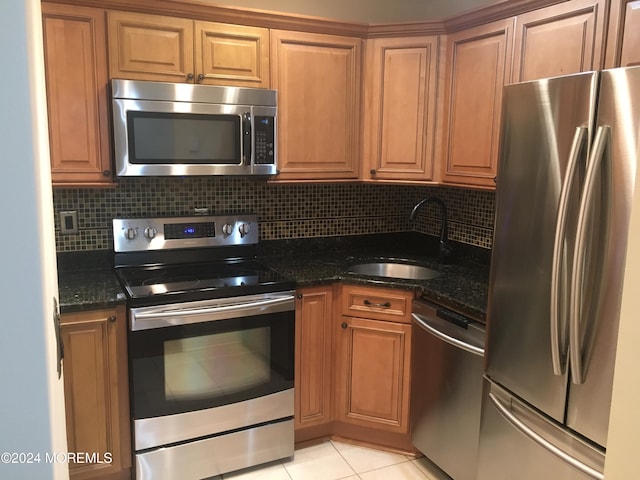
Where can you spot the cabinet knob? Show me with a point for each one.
(495, 179)
(200, 78)
(298, 295)
(106, 173)
(344, 325)
(112, 319)
(190, 77)
(372, 171)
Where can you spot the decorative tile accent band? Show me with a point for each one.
(284, 210)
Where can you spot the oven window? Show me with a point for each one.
(170, 138)
(192, 367)
(216, 365)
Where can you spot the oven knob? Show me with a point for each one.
(244, 229)
(150, 232)
(130, 233)
(227, 229)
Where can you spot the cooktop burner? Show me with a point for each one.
(169, 260)
(141, 282)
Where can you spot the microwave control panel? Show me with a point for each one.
(264, 140)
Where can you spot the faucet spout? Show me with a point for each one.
(445, 249)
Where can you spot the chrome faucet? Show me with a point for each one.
(445, 250)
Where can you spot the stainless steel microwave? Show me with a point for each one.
(176, 129)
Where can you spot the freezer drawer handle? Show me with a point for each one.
(564, 456)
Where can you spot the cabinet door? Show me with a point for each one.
(478, 66)
(400, 108)
(150, 47)
(318, 82)
(623, 47)
(96, 392)
(231, 55)
(372, 367)
(559, 40)
(314, 312)
(75, 55)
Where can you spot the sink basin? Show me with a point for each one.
(394, 270)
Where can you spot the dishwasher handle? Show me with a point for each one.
(424, 323)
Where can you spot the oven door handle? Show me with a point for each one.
(169, 316)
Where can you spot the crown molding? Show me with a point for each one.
(200, 10)
(491, 13)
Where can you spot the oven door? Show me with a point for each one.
(207, 367)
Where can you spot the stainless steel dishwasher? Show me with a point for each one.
(446, 388)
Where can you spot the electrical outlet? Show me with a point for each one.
(69, 222)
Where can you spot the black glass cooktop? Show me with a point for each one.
(194, 281)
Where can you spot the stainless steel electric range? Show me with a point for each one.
(211, 346)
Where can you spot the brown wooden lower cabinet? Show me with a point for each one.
(353, 372)
(96, 393)
(372, 374)
(313, 364)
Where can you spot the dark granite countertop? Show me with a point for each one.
(86, 280)
(461, 285)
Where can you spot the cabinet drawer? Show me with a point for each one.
(376, 303)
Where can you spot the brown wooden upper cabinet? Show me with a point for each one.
(318, 81)
(478, 66)
(623, 46)
(399, 106)
(559, 40)
(75, 56)
(169, 49)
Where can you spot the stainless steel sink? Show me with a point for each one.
(393, 270)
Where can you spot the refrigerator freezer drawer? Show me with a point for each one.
(537, 447)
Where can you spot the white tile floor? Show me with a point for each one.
(331, 460)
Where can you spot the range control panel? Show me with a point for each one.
(144, 234)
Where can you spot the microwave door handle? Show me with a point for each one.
(246, 138)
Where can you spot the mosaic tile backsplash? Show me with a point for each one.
(284, 210)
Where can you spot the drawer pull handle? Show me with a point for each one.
(382, 305)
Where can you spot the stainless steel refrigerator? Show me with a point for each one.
(569, 152)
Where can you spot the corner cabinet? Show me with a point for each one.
(560, 40)
(313, 362)
(478, 65)
(399, 106)
(171, 49)
(318, 81)
(75, 56)
(373, 354)
(96, 391)
(623, 46)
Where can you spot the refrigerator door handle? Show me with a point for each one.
(577, 275)
(541, 441)
(558, 331)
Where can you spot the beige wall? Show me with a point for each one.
(365, 11)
